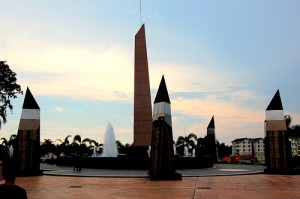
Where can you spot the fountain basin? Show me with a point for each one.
(135, 163)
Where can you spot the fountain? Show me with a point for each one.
(95, 154)
(174, 148)
(194, 153)
(149, 151)
(110, 146)
(11, 151)
(186, 151)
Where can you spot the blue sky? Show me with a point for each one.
(221, 58)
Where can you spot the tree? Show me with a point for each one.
(8, 90)
(188, 141)
(224, 150)
(2, 117)
(123, 149)
(64, 147)
(201, 148)
(5, 144)
(288, 121)
(99, 146)
(47, 147)
(292, 131)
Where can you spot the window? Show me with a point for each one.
(258, 149)
(243, 149)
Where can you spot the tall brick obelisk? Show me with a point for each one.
(276, 147)
(29, 137)
(142, 98)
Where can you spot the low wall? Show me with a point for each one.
(1, 177)
(127, 162)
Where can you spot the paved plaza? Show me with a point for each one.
(222, 181)
(217, 170)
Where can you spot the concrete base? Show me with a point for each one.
(172, 176)
(283, 171)
(134, 162)
(30, 173)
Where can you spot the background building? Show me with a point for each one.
(259, 150)
(295, 146)
(248, 149)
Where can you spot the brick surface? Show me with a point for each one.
(142, 98)
(242, 186)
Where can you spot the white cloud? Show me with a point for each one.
(231, 119)
(58, 109)
(78, 72)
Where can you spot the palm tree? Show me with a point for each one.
(87, 140)
(88, 145)
(66, 141)
(79, 144)
(187, 141)
(12, 140)
(47, 147)
(98, 146)
(76, 143)
(5, 144)
(120, 147)
(64, 146)
(76, 140)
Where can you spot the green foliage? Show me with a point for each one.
(188, 141)
(288, 121)
(224, 150)
(5, 144)
(294, 131)
(85, 146)
(8, 89)
(123, 149)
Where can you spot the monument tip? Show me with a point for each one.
(275, 103)
(29, 101)
(162, 93)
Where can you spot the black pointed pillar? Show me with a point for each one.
(29, 137)
(162, 152)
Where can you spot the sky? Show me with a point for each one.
(220, 58)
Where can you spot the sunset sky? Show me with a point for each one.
(221, 58)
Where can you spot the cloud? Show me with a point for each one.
(237, 112)
(183, 77)
(58, 109)
(78, 72)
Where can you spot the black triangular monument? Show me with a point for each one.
(275, 103)
(29, 101)
(211, 123)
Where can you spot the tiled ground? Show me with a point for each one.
(240, 186)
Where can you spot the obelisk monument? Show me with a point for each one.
(29, 137)
(142, 98)
(162, 152)
(211, 140)
(276, 154)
